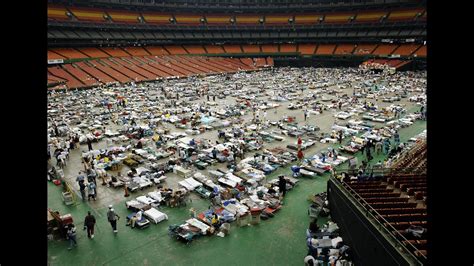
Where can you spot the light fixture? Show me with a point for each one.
(232, 20)
(261, 20)
(290, 20)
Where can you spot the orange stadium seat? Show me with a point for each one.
(194, 49)
(344, 49)
(157, 18)
(57, 12)
(218, 19)
(307, 18)
(421, 52)
(94, 72)
(214, 49)
(337, 18)
(406, 49)
(370, 16)
(277, 19)
(88, 14)
(136, 51)
(52, 55)
(385, 49)
(251, 48)
(93, 52)
(247, 19)
(362, 49)
(188, 19)
(156, 50)
(306, 48)
(270, 48)
(287, 48)
(114, 52)
(232, 49)
(175, 49)
(325, 49)
(69, 53)
(124, 17)
(404, 14)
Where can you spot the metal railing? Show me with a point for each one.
(383, 224)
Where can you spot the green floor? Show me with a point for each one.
(277, 241)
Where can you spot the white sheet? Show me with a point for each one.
(155, 215)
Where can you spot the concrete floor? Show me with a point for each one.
(282, 237)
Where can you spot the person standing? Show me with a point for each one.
(89, 144)
(113, 217)
(282, 185)
(89, 223)
(305, 114)
(71, 236)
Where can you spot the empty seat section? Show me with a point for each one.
(113, 63)
(251, 48)
(156, 50)
(406, 49)
(52, 55)
(194, 66)
(344, 49)
(270, 48)
(175, 49)
(136, 51)
(403, 14)
(260, 62)
(218, 20)
(163, 68)
(247, 61)
(96, 73)
(110, 71)
(188, 19)
(114, 52)
(219, 62)
(80, 75)
(176, 67)
(126, 62)
(157, 18)
(337, 18)
(88, 14)
(247, 19)
(325, 49)
(214, 49)
(306, 48)
(370, 16)
(421, 51)
(93, 52)
(123, 16)
(287, 48)
(57, 13)
(307, 18)
(385, 49)
(71, 81)
(145, 64)
(195, 49)
(69, 53)
(232, 49)
(206, 64)
(237, 63)
(362, 49)
(277, 19)
(269, 61)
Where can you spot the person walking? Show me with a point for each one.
(89, 223)
(91, 191)
(71, 236)
(305, 113)
(282, 185)
(113, 217)
(82, 189)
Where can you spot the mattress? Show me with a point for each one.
(193, 182)
(155, 215)
(227, 182)
(146, 200)
(186, 185)
(196, 223)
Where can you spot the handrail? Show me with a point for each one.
(370, 209)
